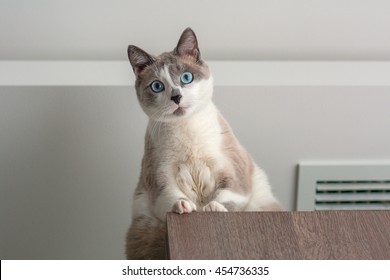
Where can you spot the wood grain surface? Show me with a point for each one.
(279, 235)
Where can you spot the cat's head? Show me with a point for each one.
(174, 84)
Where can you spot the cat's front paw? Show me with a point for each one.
(183, 206)
(214, 206)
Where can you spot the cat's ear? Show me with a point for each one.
(139, 59)
(188, 45)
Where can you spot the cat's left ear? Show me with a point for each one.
(188, 45)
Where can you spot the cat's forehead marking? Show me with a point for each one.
(165, 74)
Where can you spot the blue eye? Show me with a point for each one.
(157, 86)
(186, 77)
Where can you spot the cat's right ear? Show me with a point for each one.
(139, 59)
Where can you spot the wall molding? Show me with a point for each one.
(226, 73)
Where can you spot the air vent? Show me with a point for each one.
(347, 195)
(343, 187)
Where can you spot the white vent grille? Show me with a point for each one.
(343, 187)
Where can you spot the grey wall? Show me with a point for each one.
(70, 156)
(69, 160)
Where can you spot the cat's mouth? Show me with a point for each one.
(180, 111)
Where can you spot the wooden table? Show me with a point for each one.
(279, 235)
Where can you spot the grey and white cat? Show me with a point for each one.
(192, 160)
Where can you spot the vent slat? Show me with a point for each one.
(352, 197)
(337, 206)
(353, 186)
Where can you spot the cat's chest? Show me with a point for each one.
(198, 139)
(195, 173)
(195, 160)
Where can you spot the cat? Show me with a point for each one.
(192, 160)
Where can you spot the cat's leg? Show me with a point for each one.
(226, 196)
(261, 202)
(171, 199)
(227, 199)
(184, 178)
(262, 198)
(257, 198)
(214, 206)
(183, 206)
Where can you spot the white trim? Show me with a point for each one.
(226, 73)
(65, 73)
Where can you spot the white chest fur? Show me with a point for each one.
(190, 153)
